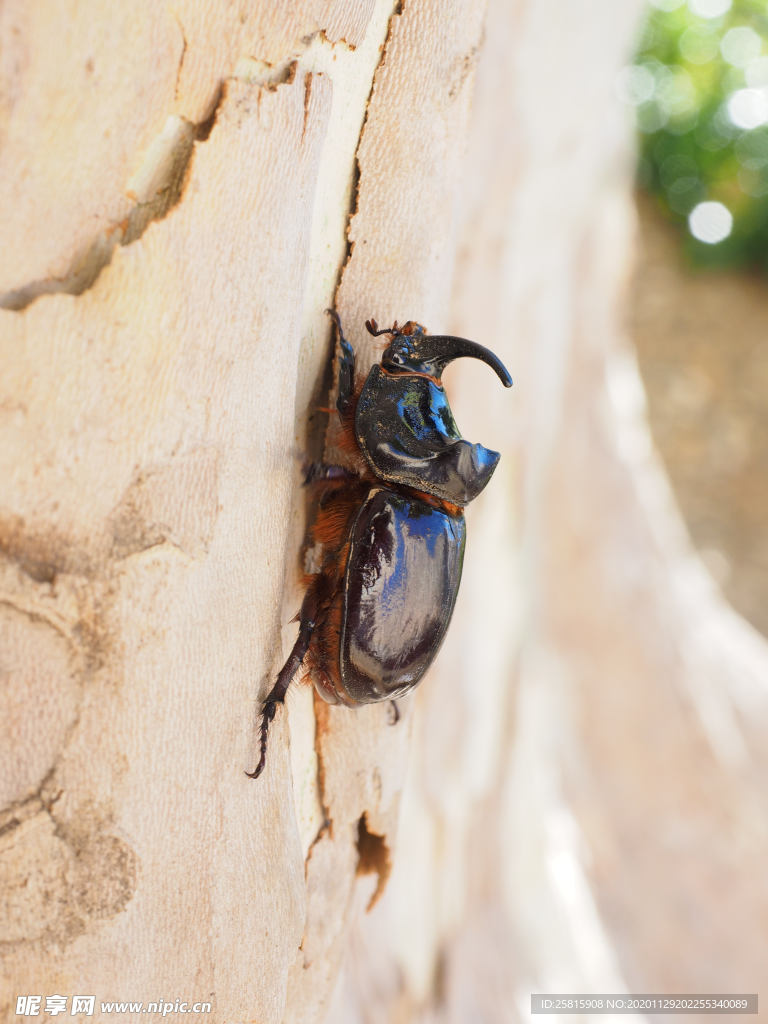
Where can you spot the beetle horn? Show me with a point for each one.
(449, 348)
(431, 353)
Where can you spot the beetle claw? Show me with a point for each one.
(270, 708)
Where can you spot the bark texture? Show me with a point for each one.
(184, 192)
(177, 193)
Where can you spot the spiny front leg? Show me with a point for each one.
(346, 367)
(308, 622)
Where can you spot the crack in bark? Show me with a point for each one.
(15, 814)
(396, 13)
(308, 77)
(253, 71)
(341, 41)
(317, 439)
(321, 728)
(183, 53)
(35, 614)
(328, 396)
(43, 799)
(161, 181)
(166, 193)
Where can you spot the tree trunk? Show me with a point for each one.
(176, 199)
(177, 189)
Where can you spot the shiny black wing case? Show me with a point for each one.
(402, 578)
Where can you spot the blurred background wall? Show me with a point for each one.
(585, 808)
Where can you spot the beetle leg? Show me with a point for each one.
(394, 716)
(321, 471)
(346, 367)
(277, 694)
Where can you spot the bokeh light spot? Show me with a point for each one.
(753, 181)
(740, 46)
(675, 91)
(709, 8)
(710, 222)
(650, 118)
(676, 167)
(699, 44)
(752, 149)
(748, 108)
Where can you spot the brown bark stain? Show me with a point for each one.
(375, 858)
(40, 692)
(177, 502)
(41, 554)
(56, 882)
(56, 878)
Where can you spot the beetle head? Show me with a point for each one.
(412, 350)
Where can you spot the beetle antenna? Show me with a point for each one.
(373, 328)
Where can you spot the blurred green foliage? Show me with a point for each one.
(699, 84)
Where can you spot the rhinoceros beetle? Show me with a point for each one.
(390, 523)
